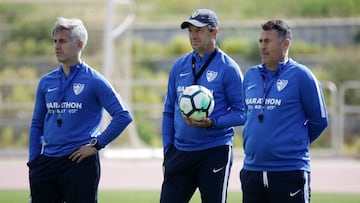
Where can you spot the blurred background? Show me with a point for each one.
(134, 43)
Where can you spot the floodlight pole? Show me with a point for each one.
(108, 48)
(110, 34)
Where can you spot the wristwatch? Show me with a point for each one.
(94, 143)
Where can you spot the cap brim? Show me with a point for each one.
(196, 23)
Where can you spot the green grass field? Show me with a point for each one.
(18, 196)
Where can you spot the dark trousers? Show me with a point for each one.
(184, 172)
(275, 187)
(58, 180)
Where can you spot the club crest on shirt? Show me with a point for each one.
(211, 75)
(78, 88)
(196, 13)
(281, 84)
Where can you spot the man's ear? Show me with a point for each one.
(80, 45)
(287, 42)
(215, 31)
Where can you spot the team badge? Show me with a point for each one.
(78, 88)
(281, 84)
(211, 75)
(196, 13)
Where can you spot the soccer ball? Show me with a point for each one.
(196, 102)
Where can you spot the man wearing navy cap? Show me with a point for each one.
(199, 154)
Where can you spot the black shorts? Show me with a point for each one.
(279, 187)
(184, 172)
(59, 179)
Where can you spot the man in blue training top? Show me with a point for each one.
(65, 132)
(286, 112)
(198, 154)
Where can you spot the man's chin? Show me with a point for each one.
(59, 59)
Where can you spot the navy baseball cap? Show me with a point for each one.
(201, 18)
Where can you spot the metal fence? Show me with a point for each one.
(343, 116)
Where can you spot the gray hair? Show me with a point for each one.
(76, 28)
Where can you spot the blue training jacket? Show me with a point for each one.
(80, 99)
(224, 78)
(294, 116)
